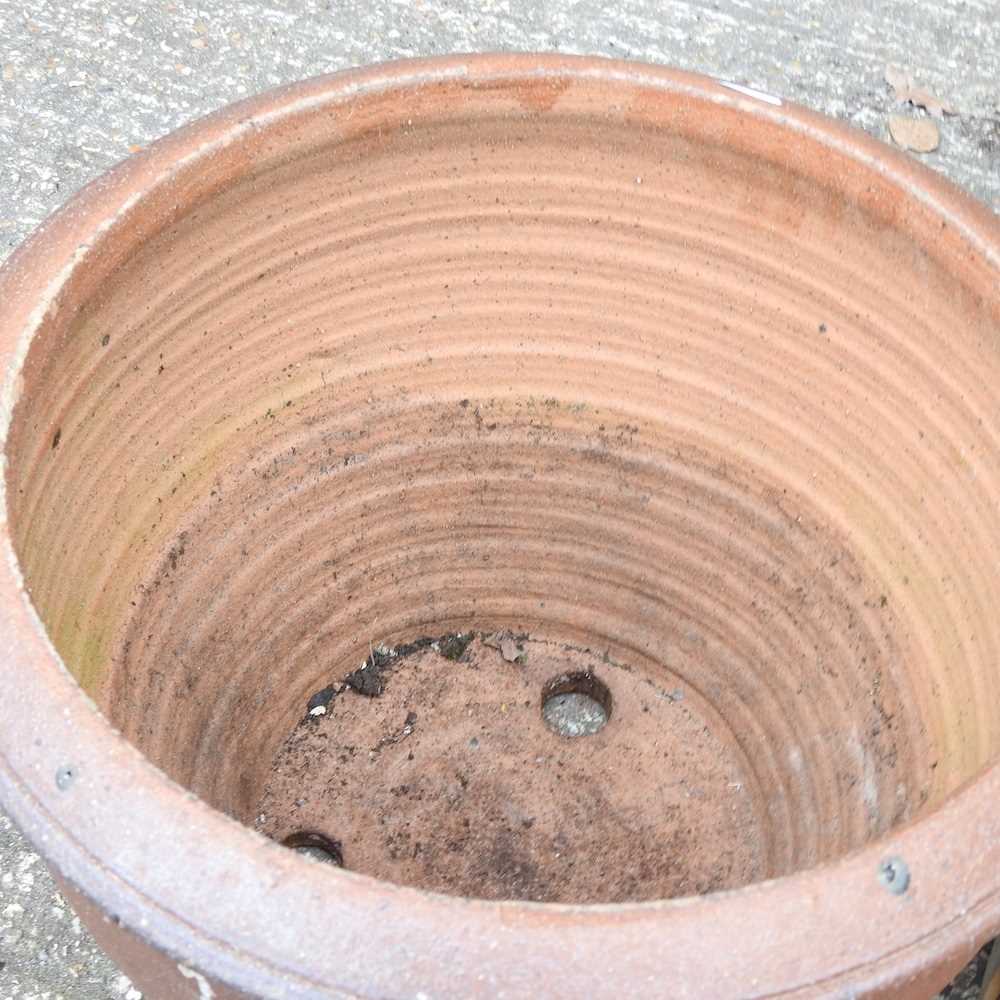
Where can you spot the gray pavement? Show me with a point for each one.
(84, 84)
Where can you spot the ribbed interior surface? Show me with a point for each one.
(615, 387)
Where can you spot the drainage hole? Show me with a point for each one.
(576, 704)
(316, 846)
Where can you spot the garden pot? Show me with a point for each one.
(560, 494)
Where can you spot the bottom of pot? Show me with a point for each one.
(514, 767)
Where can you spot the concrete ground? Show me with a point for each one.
(84, 83)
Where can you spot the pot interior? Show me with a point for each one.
(646, 459)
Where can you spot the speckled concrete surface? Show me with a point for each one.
(83, 84)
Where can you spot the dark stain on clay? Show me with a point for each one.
(177, 550)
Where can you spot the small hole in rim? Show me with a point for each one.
(576, 704)
(316, 846)
(894, 874)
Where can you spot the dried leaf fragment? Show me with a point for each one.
(510, 649)
(918, 134)
(906, 90)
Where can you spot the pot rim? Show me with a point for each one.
(259, 919)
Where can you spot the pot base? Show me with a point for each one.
(452, 779)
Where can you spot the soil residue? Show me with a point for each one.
(432, 765)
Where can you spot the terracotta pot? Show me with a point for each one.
(679, 397)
